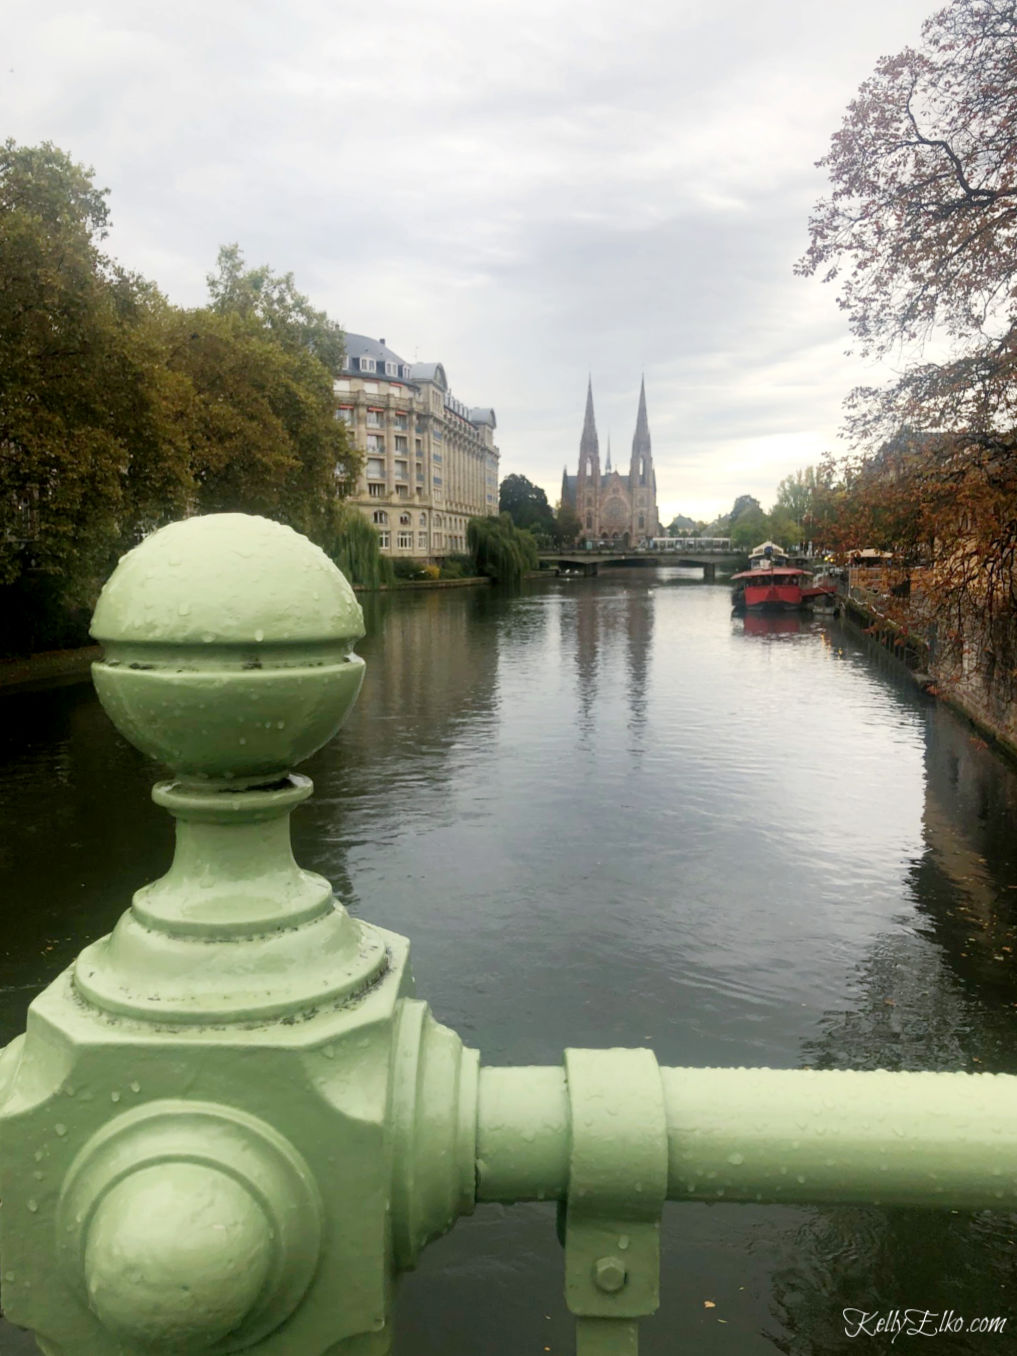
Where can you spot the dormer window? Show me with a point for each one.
(367, 365)
(391, 369)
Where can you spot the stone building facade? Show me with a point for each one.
(430, 462)
(612, 507)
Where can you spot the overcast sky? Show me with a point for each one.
(526, 192)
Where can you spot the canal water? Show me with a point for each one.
(608, 813)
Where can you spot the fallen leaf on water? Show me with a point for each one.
(709, 1304)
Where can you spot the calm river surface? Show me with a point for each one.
(608, 813)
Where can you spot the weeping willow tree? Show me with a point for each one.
(354, 545)
(501, 550)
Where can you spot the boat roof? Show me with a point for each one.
(762, 548)
(777, 572)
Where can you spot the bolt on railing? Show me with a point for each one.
(229, 1124)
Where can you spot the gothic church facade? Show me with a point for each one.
(611, 507)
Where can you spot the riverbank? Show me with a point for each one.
(402, 584)
(49, 668)
(53, 667)
(987, 713)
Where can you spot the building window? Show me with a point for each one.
(436, 456)
(402, 470)
(589, 520)
(421, 541)
(375, 468)
(379, 516)
(383, 540)
(375, 442)
(405, 520)
(418, 446)
(423, 520)
(374, 418)
(437, 480)
(403, 491)
(345, 413)
(405, 541)
(400, 421)
(367, 364)
(376, 491)
(401, 444)
(391, 369)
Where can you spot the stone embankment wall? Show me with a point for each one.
(973, 685)
(968, 681)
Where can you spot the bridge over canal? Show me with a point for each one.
(588, 562)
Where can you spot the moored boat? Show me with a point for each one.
(772, 588)
(773, 584)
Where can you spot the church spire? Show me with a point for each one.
(588, 477)
(641, 465)
(588, 444)
(607, 465)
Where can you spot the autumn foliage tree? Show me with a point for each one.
(919, 235)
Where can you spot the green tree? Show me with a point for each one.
(354, 545)
(89, 417)
(794, 496)
(525, 503)
(749, 527)
(501, 550)
(743, 504)
(274, 301)
(119, 412)
(261, 426)
(567, 526)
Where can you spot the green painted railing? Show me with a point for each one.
(230, 1124)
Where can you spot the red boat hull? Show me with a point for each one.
(769, 596)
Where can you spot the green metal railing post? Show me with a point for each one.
(229, 1125)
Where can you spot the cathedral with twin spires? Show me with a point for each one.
(612, 507)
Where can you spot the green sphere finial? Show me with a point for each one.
(228, 648)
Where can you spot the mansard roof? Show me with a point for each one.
(433, 372)
(363, 346)
(483, 415)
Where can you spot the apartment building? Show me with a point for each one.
(430, 462)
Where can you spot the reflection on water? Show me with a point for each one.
(608, 813)
(774, 623)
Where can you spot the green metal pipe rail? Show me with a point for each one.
(230, 1125)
